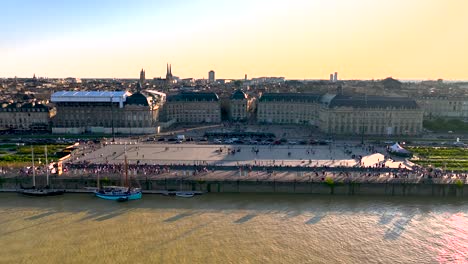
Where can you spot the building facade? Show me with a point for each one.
(25, 117)
(370, 115)
(238, 106)
(103, 112)
(344, 115)
(288, 108)
(446, 107)
(193, 107)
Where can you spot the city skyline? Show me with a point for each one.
(300, 40)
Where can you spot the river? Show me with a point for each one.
(233, 228)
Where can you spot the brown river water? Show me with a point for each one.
(233, 228)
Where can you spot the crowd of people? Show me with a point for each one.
(308, 168)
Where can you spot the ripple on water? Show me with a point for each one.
(239, 228)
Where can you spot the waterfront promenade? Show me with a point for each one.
(335, 155)
(157, 166)
(285, 163)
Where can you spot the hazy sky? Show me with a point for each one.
(297, 39)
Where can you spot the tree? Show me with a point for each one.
(238, 83)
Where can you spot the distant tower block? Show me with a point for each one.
(142, 77)
(211, 76)
(245, 78)
(331, 77)
(335, 77)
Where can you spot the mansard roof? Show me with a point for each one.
(362, 101)
(193, 97)
(290, 97)
(89, 96)
(25, 107)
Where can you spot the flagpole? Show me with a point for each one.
(33, 169)
(47, 165)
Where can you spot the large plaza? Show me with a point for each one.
(228, 155)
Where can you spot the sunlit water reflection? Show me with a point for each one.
(233, 228)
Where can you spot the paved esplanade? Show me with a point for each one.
(232, 155)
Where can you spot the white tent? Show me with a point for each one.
(397, 149)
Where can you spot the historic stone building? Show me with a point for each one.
(447, 107)
(238, 106)
(370, 115)
(103, 112)
(340, 114)
(288, 108)
(192, 107)
(25, 116)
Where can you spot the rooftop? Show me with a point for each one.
(193, 97)
(291, 97)
(238, 95)
(89, 96)
(25, 107)
(373, 102)
(137, 99)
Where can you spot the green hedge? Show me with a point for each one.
(450, 158)
(444, 125)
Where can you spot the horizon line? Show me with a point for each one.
(241, 79)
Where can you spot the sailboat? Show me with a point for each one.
(33, 191)
(119, 193)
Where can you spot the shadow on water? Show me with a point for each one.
(245, 218)
(287, 205)
(91, 215)
(315, 219)
(291, 214)
(163, 244)
(386, 218)
(179, 216)
(111, 215)
(35, 217)
(47, 221)
(399, 226)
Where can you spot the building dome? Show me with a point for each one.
(137, 99)
(238, 95)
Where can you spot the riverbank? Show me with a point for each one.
(328, 186)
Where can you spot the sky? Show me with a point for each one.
(296, 39)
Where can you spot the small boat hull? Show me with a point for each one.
(41, 192)
(185, 194)
(120, 196)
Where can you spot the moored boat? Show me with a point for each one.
(119, 193)
(40, 192)
(185, 194)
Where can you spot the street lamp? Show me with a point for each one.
(112, 118)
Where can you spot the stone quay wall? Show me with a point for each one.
(401, 188)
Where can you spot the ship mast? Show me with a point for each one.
(47, 165)
(126, 167)
(33, 169)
